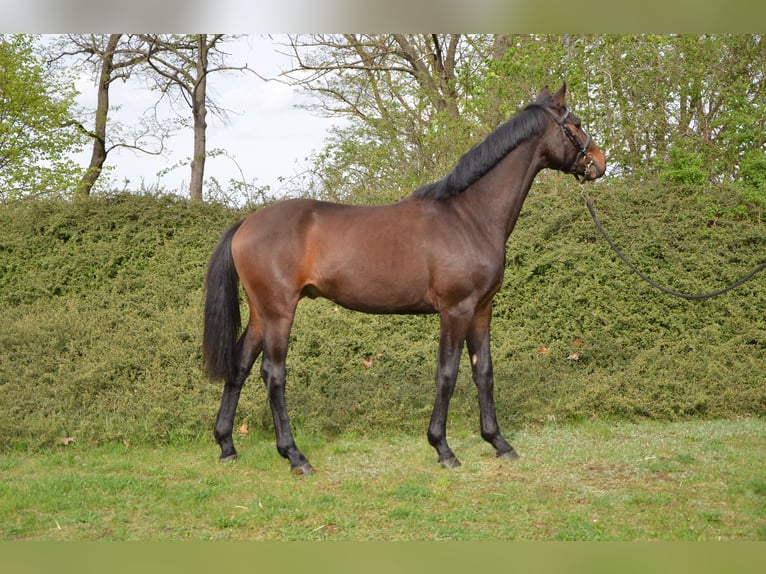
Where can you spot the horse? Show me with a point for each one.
(439, 250)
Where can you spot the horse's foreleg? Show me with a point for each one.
(478, 342)
(451, 338)
(273, 371)
(248, 347)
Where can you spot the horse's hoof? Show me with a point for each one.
(451, 462)
(508, 454)
(304, 468)
(228, 457)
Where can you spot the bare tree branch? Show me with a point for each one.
(111, 57)
(181, 66)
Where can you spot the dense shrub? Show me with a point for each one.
(101, 312)
(100, 303)
(685, 168)
(753, 179)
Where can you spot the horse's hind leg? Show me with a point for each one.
(481, 365)
(248, 348)
(273, 371)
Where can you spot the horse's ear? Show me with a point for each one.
(544, 94)
(559, 98)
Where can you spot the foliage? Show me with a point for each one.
(101, 307)
(36, 131)
(654, 103)
(698, 92)
(360, 164)
(402, 94)
(101, 304)
(753, 179)
(685, 168)
(753, 170)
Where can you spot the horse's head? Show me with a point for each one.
(569, 148)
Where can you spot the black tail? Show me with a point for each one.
(222, 317)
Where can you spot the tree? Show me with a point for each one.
(181, 65)
(36, 133)
(112, 57)
(675, 102)
(405, 96)
(98, 157)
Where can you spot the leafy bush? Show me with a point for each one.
(753, 179)
(753, 170)
(101, 305)
(100, 301)
(685, 168)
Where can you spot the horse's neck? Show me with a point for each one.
(496, 199)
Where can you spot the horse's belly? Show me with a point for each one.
(375, 293)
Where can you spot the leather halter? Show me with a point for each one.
(582, 146)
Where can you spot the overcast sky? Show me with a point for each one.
(268, 136)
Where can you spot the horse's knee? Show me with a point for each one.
(271, 371)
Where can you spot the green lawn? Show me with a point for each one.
(590, 481)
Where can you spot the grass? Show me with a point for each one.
(594, 480)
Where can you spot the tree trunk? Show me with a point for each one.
(199, 111)
(98, 157)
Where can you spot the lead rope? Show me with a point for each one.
(616, 249)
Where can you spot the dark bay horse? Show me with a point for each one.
(439, 250)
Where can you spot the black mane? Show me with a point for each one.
(483, 157)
